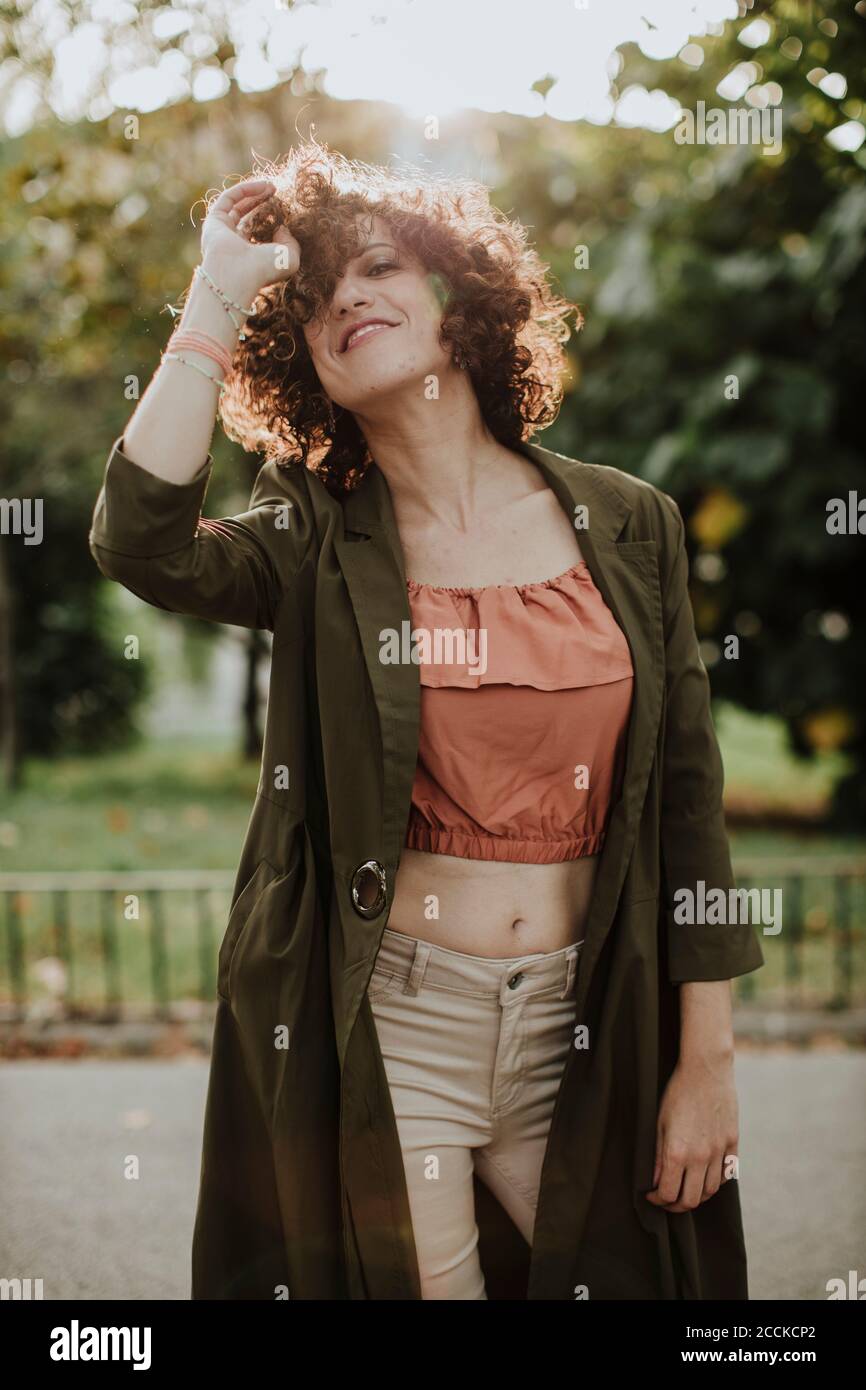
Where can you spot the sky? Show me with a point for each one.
(430, 57)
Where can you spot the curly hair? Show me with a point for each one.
(498, 308)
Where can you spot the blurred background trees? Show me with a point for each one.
(722, 358)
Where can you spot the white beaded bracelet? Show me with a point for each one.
(176, 357)
(228, 304)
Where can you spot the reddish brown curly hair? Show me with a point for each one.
(498, 308)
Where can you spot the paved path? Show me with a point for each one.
(69, 1216)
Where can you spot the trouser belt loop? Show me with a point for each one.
(571, 957)
(423, 951)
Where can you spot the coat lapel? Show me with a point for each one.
(371, 559)
(625, 572)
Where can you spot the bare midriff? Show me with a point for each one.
(492, 908)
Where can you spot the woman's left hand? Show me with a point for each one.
(697, 1135)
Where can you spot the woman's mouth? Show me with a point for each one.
(363, 331)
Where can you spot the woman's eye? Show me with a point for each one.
(383, 265)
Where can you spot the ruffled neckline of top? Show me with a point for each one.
(416, 586)
(551, 634)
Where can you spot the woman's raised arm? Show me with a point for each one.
(170, 431)
(147, 531)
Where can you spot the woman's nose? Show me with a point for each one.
(350, 296)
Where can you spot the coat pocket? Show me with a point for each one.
(263, 874)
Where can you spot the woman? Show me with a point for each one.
(464, 1047)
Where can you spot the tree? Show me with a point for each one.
(724, 356)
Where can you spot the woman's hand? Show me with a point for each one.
(697, 1134)
(239, 266)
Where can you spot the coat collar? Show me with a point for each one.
(626, 573)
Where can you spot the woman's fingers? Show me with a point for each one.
(714, 1178)
(240, 210)
(683, 1185)
(234, 202)
(233, 211)
(693, 1187)
(667, 1188)
(247, 188)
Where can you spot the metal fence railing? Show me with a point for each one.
(110, 945)
(817, 960)
(107, 946)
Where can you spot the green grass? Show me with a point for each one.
(172, 805)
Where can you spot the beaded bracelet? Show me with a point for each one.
(228, 304)
(176, 357)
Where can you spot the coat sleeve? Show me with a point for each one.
(694, 843)
(149, 535)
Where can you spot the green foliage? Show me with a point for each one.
(76, 689)
(720, 262)
(95, 251)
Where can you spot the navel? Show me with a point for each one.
(518, 922)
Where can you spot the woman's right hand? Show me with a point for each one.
(239, 266)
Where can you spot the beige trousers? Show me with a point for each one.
(473, 1050)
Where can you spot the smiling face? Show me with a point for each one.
(380, 332)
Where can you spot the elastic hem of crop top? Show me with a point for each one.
(432, 841)
(580, 568)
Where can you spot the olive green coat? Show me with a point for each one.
(302, 1189)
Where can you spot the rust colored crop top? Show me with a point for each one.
(525, 700)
